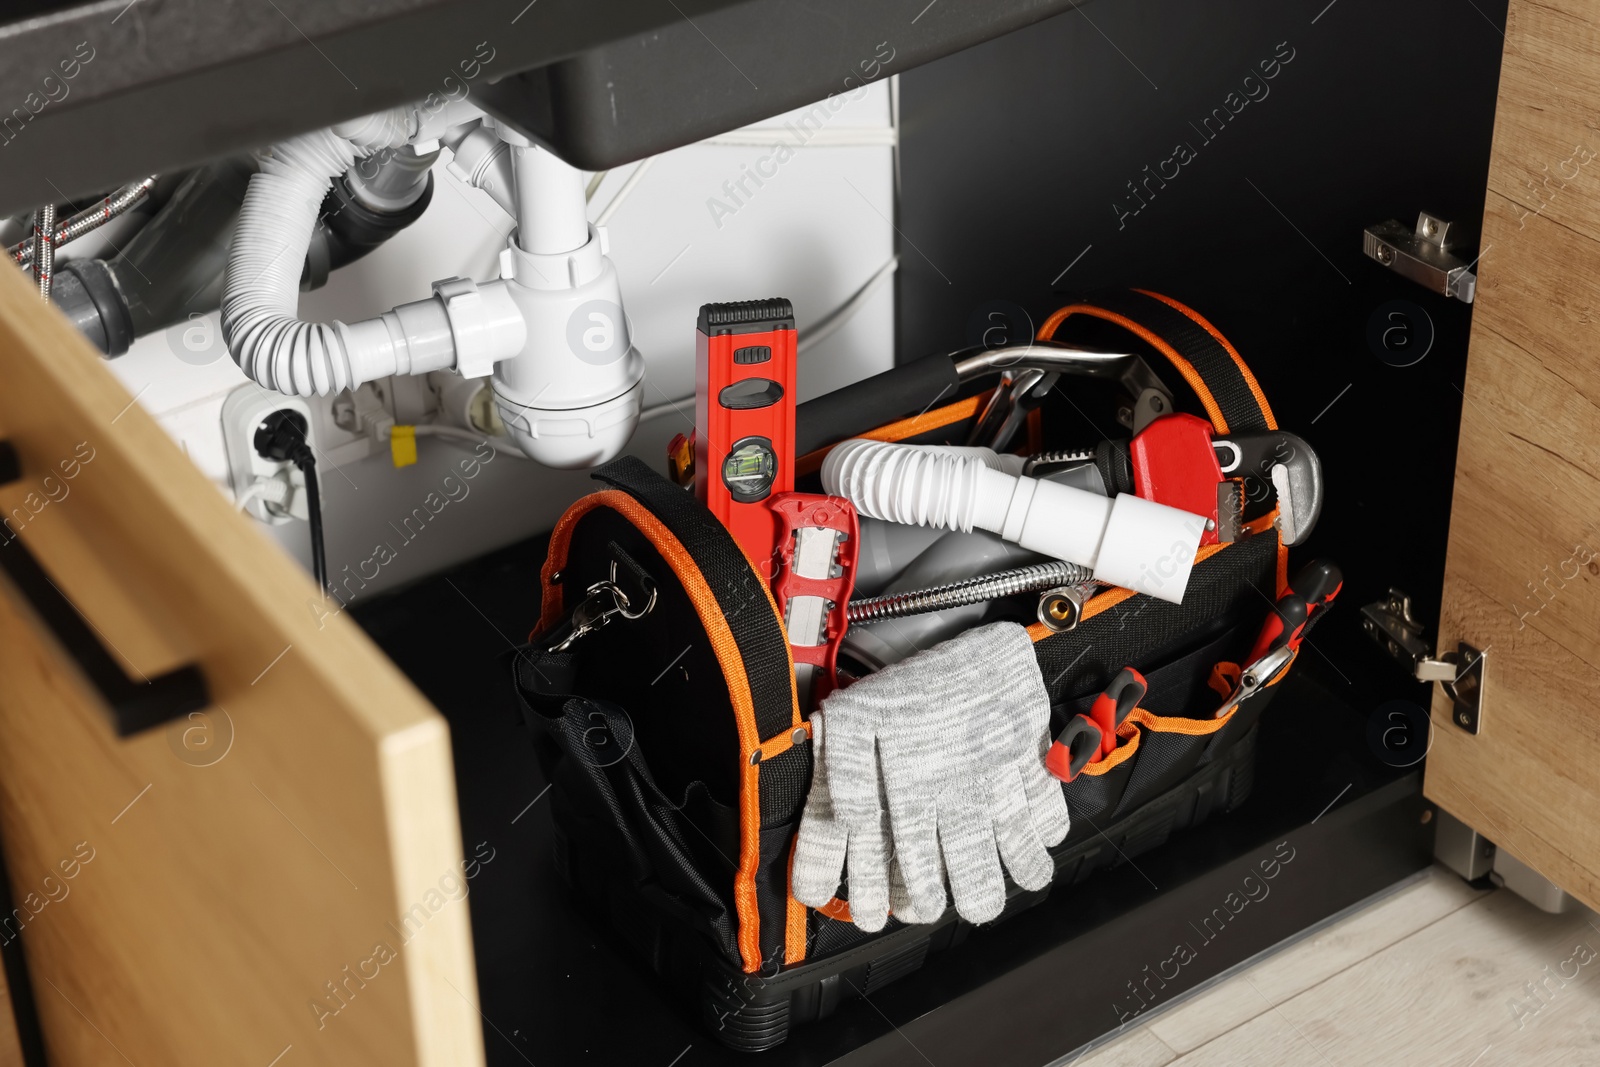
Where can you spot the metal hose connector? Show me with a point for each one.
(44, 264)
(1059, 457)
(90, 218)
(973, 590)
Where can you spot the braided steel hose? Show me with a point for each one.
(90, 218)
(44, 264)
(973, 590)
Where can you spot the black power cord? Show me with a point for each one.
(282, 437)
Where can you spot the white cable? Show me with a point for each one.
(501, 445)
(669, 408)
(622, 194)
(243, 500)
(1130, 542)
(835, 319)
(272, 491)
(455, 433)
(824, 328)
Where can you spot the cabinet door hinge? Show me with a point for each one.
(1392, 623)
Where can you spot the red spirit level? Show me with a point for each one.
(744, 418)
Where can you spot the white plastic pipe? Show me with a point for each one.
(1130, 542)
(571, 397)
(482, 160)
(462, 325)
(551, 208)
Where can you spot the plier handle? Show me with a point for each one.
(1303, 602)
(1090, 738)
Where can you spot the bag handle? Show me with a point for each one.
(1211, 365)
(740, 593)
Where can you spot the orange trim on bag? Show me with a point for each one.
(1115, 594)
(836, 909)
(916, 426)
(1244, 368)
(1158, 724)
(1122, 753)
(1224, 678)
(794, 914)
(777, 746)
(728, 658)
(1183, 366)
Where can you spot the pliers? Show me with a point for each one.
(1303, 602)
(1089, 738)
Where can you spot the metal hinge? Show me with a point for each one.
(1423, 255)
(1393, 625)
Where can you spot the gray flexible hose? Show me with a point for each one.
(90, 218)
(1032, 579)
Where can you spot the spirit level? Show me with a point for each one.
(744, 418)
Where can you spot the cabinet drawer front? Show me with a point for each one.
(280, 869)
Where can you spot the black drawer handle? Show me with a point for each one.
(133, 705)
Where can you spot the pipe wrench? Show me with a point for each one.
(1177, 460)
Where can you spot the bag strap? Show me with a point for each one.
(776, 762)
(1213, 368)
(740, 593)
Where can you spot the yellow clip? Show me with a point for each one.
(403, 445)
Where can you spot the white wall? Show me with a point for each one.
(814, 232)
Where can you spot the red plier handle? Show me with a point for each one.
(1303, 601)
(1089, 738)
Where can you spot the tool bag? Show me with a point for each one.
(659, 688)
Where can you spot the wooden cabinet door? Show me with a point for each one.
(1522, 578)
(276, 878)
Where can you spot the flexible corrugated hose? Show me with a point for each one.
(261, 294)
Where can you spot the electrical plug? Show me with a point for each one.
(281, 437)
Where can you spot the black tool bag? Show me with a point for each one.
(679, 760)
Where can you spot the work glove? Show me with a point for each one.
(950, 746)
(849, 833)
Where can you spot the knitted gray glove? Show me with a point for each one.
(833, 836)
(956, 736)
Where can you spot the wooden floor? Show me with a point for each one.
(1437, 974)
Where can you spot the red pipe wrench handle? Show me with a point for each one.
(1174, 464)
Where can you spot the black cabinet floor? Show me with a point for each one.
(1332, 823)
